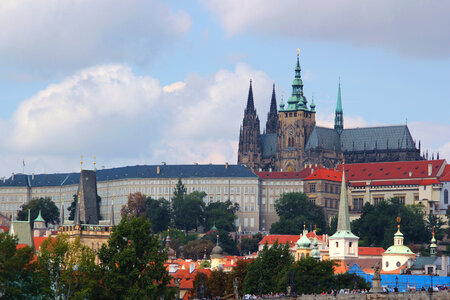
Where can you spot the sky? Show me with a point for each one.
(149, 81)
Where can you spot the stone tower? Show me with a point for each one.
(87, 206)
(296, 121)
(272, 116)
(249, 153)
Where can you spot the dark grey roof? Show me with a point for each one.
(381, 138)
(421, 261)
(143, 171)
(269, 144)
(321, 137)
(22, 230)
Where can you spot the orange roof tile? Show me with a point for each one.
(370, 251)
(445, 174)
(326, 174)
(285, 175)
(281, 238)
(341, 267)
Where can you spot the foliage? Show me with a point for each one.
(239, 272)
(332, 228)
(222, 215)
(250, 245)
(61, 262)
(263, 274)
(178, 239)
(197, 249)
(188, 210)
(133, 262)
(200, 286)
(377, 224)
(136, 206)
(18, 273)
(310, 276)
(158, 212)
(49, 211)
(350, 281)
(227, 243)
(206, 264)
(217, 283)
(295, 209)
(434, 222)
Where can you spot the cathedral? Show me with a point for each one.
(291, 138)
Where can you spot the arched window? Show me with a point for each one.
(445, 196)
(387, 264)
(337, 244)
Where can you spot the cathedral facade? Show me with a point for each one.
(291, 138)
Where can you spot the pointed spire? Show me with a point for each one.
(281, 104)
(272, 116)
(433, 245)
(112, 212)
(339, 115)
(313, 106)
(250, 103)
(273, 101)
(62, 211)
(343, 219)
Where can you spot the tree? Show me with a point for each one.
(264, 273)
(311, 276)
(158, 212)
(377, 224)
(49, 211)
(68, 268)
(188, 213)
(238, 273)
(217, 283)
(351, 281)
(294, 210)
(435, 223)
(133, 262)
(19, 278)
(227, 243)
(197, 249)
(136, 206)
(222, 215)
(250, 245)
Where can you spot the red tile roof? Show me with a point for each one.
(4, 228)
(281, 238)
(326, 174)
(370, 251)
(286, 175)
(430, 181)
(392, 170)
(446, 174)
(311, 235)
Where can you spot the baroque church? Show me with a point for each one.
(291, 138)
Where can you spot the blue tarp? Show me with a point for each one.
(403, 282)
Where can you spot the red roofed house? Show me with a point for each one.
(445, 180)
(293, 239)
(413, 182)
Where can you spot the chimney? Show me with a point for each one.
(158, 169)
(226, 165)
(430, 169)
(410, 173)
(12, 176)
(32, 176)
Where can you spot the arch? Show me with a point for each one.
(290, 168)
(445, 196)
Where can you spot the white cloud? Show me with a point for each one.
(74, 33)
(122, 118)
(414, 27)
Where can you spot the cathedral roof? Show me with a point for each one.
(269, 144)
(381, 138)
(321, 137)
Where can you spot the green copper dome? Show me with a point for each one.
(303, 242)
(398, 249)
(39, 218)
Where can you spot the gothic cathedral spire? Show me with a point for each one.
(249, 153)
(339, 116)
(272, 116)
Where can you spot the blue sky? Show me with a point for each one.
(140, 82)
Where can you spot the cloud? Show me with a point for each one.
(72, 33)
(122, 118)
(415, 28)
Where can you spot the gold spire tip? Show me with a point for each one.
(298, 51)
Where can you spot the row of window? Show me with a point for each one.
(329, 188)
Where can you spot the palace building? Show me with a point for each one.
(291, 138)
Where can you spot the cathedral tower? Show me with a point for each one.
(249, 153)
(272, 116)
(296, 121)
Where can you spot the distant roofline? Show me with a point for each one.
(379, 126)
(393, 162)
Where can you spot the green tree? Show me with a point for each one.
(48, 209)
(158, 212)
(239, 272)
(351, 281)
(377, 224)
(222, 215)
(264, 273)
(68, 268)
(133, 262)
(311, 276)
(227, 243)
(434, 222)
(250, 245)
(19, 278)
(217, 283)
(294, 210)
(197, 249)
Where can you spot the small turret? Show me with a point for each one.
(312, 106)
(433, 245)
(339, 118)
